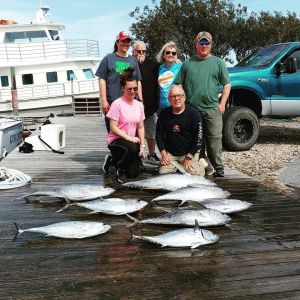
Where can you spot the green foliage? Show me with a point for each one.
(232, 27)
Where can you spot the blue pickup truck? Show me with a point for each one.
(266, 83)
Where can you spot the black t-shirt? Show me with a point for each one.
(149, 72)
(179, 134)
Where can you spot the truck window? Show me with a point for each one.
(295, 54)
(262, 57)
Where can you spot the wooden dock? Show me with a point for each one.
(257, 256)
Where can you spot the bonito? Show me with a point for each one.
(75, 192)
(187, 217)
(169, 182)
(196, 194)
(69, 230)
(185, 237)
(111, 206)
(227, 206)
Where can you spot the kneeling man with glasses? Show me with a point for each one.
(179, 135)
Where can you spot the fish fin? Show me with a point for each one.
(164, 209)
(197, 228)
(132, 237)
(67, 199)
(195, 246)
(136, 221)
(92, 212)
(182, 202)
(65, 207)
(19, 231)
(196, 205)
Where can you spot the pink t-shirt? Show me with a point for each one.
(128, 114)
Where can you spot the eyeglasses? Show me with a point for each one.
(203, 43)
(141, 51)
(171, 52)
(132, 89)
(174, 97)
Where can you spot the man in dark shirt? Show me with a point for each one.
(179, 135)
(149, 72)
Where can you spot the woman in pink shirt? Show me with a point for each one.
(126, 139)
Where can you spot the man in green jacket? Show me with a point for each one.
(201, 77)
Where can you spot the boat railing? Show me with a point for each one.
(22, 52)
(70, 88)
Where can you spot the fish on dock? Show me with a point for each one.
(69, 230)
(111, 206)
(74, 192)
(169, 182)
(227, 206)
(197, 194)
(187, 217)
(184, 237)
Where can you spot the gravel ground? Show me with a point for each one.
(278, 143)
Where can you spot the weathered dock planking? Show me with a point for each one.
(257, 256)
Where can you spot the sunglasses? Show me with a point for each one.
(132, 89)
(171, 52)
(141, 51)
(203, 43)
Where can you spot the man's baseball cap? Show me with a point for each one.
(203, 35)
(123, 35)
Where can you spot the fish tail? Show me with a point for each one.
(135, 221)
(19, 231)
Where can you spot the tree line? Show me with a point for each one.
(232, 26)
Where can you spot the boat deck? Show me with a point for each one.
(257, 256)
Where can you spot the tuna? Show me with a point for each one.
(197, 194)
(227, 206)
(111, 206)
(185, 237)
(187, 217)
(69, 230)
(169, 182)
(75, 192)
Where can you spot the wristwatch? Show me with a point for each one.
(188, 158)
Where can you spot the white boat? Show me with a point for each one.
(41, 71)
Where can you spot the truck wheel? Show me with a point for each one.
(240, 128)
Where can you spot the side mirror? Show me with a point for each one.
(291, 65)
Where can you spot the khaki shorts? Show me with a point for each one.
(198, 165)
(150, 126)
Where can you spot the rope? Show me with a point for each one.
(10, 179)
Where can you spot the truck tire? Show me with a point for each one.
(240, 128)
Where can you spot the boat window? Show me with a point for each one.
(54, 35)
(25, 37)
(4, 81)
(71, 75)
(51, 77)
(27, 79)
(88, 73)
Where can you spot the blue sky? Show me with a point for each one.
(101, 20)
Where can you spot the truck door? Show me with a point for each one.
(285, 89)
